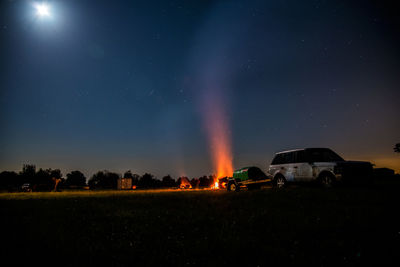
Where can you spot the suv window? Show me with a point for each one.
(289, 157)
(284, 158)
(300, 156)
(322, 155)
(278, 159)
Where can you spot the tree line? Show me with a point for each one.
(52, 180)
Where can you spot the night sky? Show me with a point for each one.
(139, 85)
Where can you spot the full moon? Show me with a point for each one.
(42, 10)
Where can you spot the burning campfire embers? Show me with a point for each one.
(204, 182)
(185, 184)
(220, 183)
(215, 185)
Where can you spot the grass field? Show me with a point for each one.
(297, 225)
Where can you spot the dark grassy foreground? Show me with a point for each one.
(300, 225)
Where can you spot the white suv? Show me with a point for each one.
(317, 164)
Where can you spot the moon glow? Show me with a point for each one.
(42, 10)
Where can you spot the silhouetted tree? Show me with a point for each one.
(204, 181)
(168, 181)
(43, 177)
(397, 148)
(128, 174)
(135, 179)
(55, 173)
(104, 179)
(148, 181)
(9, 181)
(28, 173)
(195, 182)
(75, 178)
(43, 180)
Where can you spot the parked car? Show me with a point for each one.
(26, 187)
(320, 165)
(248, 177)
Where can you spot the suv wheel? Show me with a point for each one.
(326, 180)
(233, 187)
(280, 182)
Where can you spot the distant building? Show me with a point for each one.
(124, 183)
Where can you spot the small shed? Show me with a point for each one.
(124, 183)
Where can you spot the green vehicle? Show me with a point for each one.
(248, 177)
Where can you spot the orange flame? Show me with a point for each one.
(220, 146)
(220, 142)
(216, 185)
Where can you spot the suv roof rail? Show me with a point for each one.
(292, 150)
(299, 149)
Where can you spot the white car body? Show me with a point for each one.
(310, 164)
(302, 172)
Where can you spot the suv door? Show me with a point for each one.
(275, 165)
(289, 168)
(302, 166)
